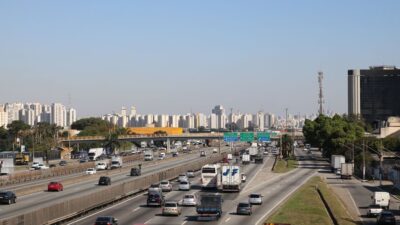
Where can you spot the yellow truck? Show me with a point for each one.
(21, 159)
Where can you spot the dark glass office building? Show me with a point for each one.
(374, 93)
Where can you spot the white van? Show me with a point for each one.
(381, 198)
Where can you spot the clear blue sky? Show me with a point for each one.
(178, 56)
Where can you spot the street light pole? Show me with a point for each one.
(363, 169)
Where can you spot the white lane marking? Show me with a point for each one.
(355, 205)
(113, 206)
(284, 198)
(229, 218)
(136, 209)
(184, 223)
(148, 221)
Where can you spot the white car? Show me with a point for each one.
(189, 200)
(35, 165)
(161, 156)
(184, 185)
(255, 199)
(165, 185)
(182, 177)
(171, 208)
(101, 166)
(42, 167)
(215, 150)
(190, 173)
(155, 188)
(90, 171)
(374, 210)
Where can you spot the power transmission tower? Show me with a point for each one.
(321, 94)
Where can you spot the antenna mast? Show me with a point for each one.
(320, 95)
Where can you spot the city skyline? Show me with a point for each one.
(170, 58)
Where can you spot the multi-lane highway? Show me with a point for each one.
(88, 185)
(274, 187)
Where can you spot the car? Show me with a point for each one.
(35, 165)
(165, 185)
(7, 197)
(42, 167)
(52, 165)
(155, 198)
(374, 210)
(83, 160)
(386, 218)
(171, 208)
(55, 186)
(155, 187)
(175, 154)
(244, 208)
(101, 166)
(215, 150)
(91, 171)
(189, 200)
(135, 171)
(243, 177)
(106, 220)
(62, 163)
(182, 177)
(266, 152)
(202, 154)
(184, 185)
(103, 180)
(161, 156)
(255, 199)
(190, 173)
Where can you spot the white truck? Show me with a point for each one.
(116, 162)
(381, 198)
(346, 170)
(336, 163)
(229, 157)
(253, 151)
(143, 144)
(231, 178)
(94, 153)
(148, 155)
(245, 159)
(103, 165)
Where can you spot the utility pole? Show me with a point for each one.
(286, 120)
(380, 163)
(320, 95)
(363, 169)
(352, 158)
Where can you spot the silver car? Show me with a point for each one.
(255, 199)
(184, 185)
(165, 185)
(189, 200)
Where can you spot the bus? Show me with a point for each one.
(211, 176)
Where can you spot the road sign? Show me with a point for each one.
(263, 136)
(247, 137)
(230, 136)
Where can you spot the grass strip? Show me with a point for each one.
(284, 166)
(305, 207)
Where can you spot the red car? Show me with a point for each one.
(55, 186)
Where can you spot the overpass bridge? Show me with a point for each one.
(176, 137)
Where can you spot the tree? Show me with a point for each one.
(160, 132)
(92, 127)
(112, 142)
(232, 127)
(287, 144)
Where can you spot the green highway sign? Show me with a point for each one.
(230, 136)
(247, 137)
(263, 136)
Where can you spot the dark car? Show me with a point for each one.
(386, 218)
(8, 197)
(106, 220)
(84, 160)
(244, 208)
(175, 154)
(103, 180)
(52, 165)
(135, 172)
(155, 199)
(62, 163)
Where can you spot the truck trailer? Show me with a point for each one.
(94, 153)
(231, 178)
(210, 206)
(336, 163)
(346, 170)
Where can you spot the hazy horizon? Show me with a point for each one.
(177, 57)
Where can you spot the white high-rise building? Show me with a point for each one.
(71, 116)
(58, 114)
(133, 111)
(3, 117)
(258, 120)
(123, 121)
(200, 120)
(213, 124)
(149, 119)
(174, 120)
(162, 121)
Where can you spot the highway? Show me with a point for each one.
(89, 184)
(274, 187)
